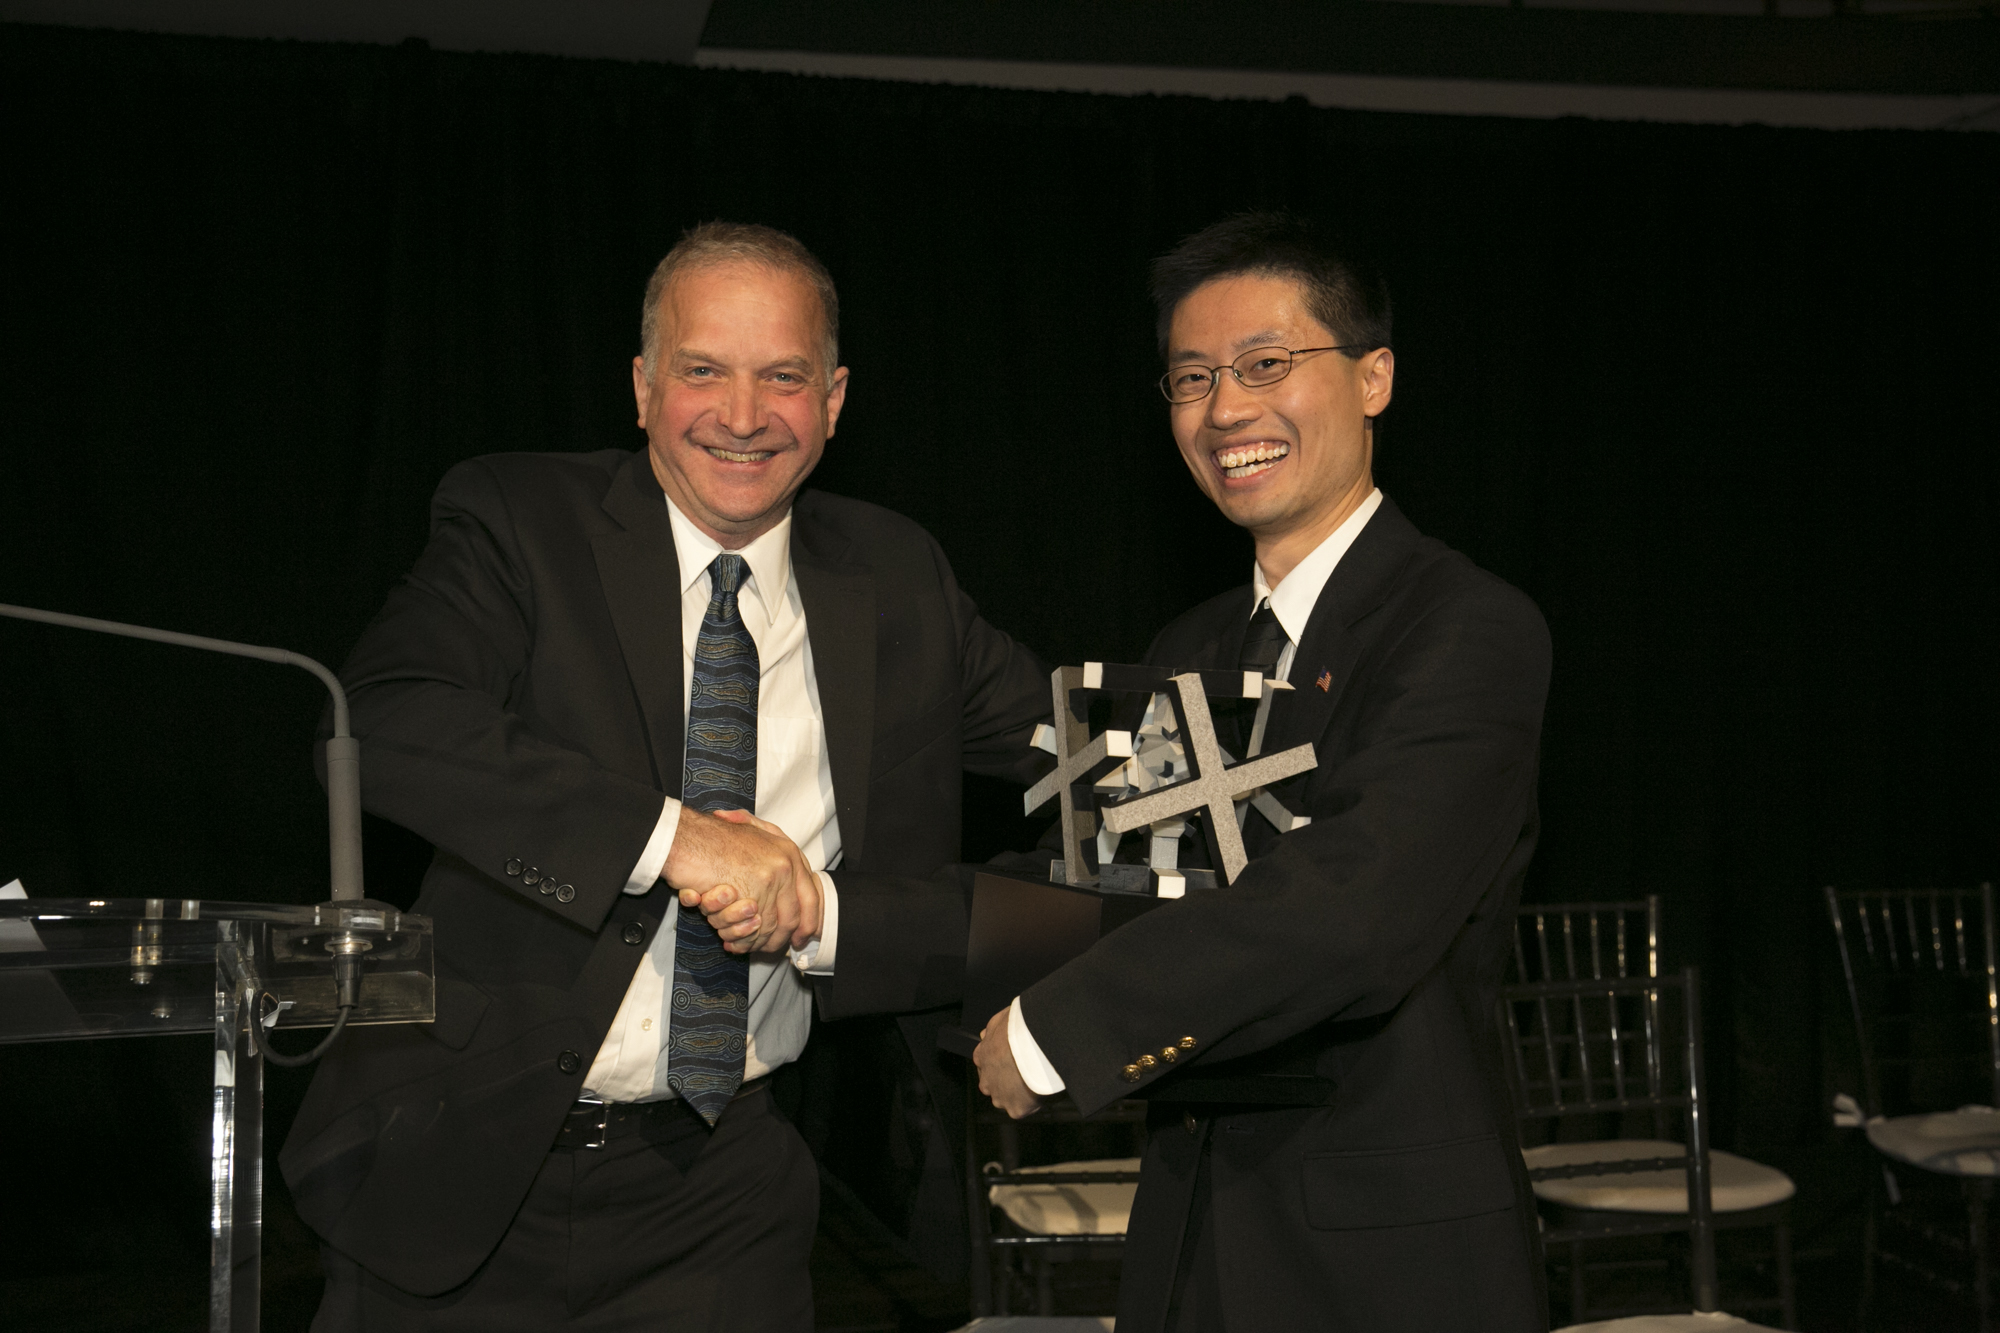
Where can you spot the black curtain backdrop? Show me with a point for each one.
(1721, 400)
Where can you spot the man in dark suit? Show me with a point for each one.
(599, 667)
(1351, 1162)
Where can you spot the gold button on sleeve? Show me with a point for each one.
(1131, 1073)
(1147, 1062)
(1187, 1043)
(1169, 1054)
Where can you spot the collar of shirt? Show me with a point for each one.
(1293, 600)
(769, 558)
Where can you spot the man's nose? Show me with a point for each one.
(743, 412)
(1229, 403)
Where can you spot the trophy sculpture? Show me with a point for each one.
(1168, 773)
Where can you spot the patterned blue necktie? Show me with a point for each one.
(711, 995)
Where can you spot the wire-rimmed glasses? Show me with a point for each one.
(1257, 368)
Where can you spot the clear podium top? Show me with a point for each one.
(113, 967)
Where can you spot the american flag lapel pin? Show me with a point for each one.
(1325, 682)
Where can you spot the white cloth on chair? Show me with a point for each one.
(1070, 1210)
(1713, 1322)
(1965, 1142)
(1736, 1184)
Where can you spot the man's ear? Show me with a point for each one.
(1378, 380)
(641, 390)
(836, 398)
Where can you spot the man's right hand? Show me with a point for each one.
(747, 877)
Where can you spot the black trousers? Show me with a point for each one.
(690, 1230)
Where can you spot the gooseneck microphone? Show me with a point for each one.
(343, 804)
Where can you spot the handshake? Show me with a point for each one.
(747, 877)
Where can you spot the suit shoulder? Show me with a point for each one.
(1444, 581)
(869, 526)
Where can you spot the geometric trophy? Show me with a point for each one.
(1168, 770)
(1177, 769)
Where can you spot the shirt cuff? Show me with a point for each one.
(653, 861)
(1036, 1071)
(816, 959)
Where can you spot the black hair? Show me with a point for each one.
(1343, 291)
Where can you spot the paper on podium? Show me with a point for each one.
(17, 936)
(30, 997)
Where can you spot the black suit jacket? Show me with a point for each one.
(1358, 957)
(519, 701)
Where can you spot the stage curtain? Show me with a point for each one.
(1720, 399)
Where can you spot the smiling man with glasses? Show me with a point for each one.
(1332, 1139)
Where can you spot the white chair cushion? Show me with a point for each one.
(1069, 1210)
(1736, 1184)
(1965, 1142)
(1715, 1322)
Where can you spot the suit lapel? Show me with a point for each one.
(1330, 649)
(640, 574)
(839, 601)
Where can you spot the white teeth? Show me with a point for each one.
(731, 456)
(1247, 460)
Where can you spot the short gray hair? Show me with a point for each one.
(749, 243)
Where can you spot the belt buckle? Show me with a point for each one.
(603, 1124)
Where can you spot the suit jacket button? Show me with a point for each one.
(634, 933)
(569, 1062)
(531, 876)
(1131, 1073)
(566, 893)
(1186, 1043)
(1170, 1054)
(548, 886)
(513, 865)
(1147, 1062)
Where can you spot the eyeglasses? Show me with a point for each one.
(1258, 368)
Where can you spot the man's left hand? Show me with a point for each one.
(792, 916)
(999, 1078)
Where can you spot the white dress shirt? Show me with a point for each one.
(794, 791)
(1292, 602)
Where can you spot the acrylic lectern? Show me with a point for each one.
(73, 968)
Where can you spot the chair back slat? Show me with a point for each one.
(1992, 987)
(1583, 1044)
(1618, 1039)
(1549, 1050)
(1923, 974)
(1937, 934)
(1959, 929)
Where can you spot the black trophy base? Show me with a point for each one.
(1023, 929)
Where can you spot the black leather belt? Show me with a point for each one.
(595, 1124)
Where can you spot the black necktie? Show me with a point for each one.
(1263, 644)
